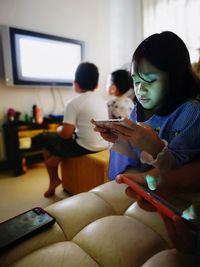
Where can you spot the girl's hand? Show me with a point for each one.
(141, 135)
(180, 234)
(140, 179)
(105, 133)
(162, 188)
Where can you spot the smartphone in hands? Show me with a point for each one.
(23, 226)
(108, 123)
(161, 205)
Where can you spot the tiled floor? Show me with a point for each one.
(18, 194)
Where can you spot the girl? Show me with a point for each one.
(164, 126)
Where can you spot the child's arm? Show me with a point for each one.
(183, 238)
(141, 135)
(105, 132)
(66, 130)
(182, 133)
(184, 179)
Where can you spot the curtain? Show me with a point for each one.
(180, 16)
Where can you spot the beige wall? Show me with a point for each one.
(111, 30)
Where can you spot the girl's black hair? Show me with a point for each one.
(167, 52)
(122, 80)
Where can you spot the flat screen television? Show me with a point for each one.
(37, 59)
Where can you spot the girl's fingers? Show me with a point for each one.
(145, 205)
(152, 182)
(144, 125)
(129, 122)
(128, 126)
(98, 129)
(109, 137)
(131, 193)
(123, 129)
(119, 179)
(138, 178)
(132, 130)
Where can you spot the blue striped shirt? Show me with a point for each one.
(181, 129)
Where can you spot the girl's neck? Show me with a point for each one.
(143, 114)
(146, 114)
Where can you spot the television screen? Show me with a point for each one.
(33, 58)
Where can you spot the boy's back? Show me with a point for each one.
(79, 111)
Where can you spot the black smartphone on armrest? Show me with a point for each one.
(23, 226)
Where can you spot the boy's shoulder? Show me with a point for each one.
(87, 98)
(81, 95)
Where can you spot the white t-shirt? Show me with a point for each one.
(120, 107)
(79, 111)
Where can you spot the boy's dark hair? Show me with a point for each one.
(167, 52)
(87, 76)
(122, 80)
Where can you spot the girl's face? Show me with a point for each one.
(150, 86)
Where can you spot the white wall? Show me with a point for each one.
(111, 30)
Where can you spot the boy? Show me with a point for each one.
(120, 84)
(76, 136)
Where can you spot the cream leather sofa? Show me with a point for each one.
(102, 227)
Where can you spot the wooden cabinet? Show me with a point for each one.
(19, 149)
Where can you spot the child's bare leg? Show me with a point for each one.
(52, 163)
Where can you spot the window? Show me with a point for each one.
(180, 16)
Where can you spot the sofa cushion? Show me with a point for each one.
(103, 227)
(119, 241)
(61, 254)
